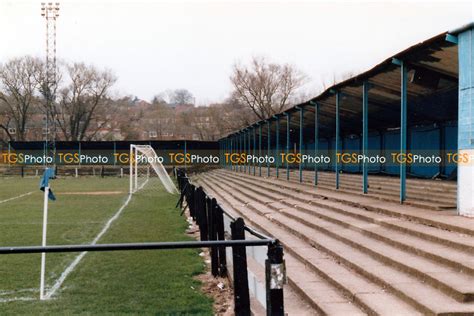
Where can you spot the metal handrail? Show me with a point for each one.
(135, 246)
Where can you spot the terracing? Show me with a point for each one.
(349, 253)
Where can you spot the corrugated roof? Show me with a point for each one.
(433, 73)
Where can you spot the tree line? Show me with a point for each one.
(84, 109)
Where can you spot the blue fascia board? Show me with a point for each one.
(451, 38)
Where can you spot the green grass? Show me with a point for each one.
(139, 282)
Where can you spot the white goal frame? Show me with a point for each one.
(154, 167)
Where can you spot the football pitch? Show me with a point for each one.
(124, 282)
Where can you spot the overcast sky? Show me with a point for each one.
(157, 45)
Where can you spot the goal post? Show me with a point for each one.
(147, 171)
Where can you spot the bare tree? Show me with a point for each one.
(19, 81)
(181, 96)
(5, 121)
(267, 88)
(82, 101)
(231, 115)
(158, 100)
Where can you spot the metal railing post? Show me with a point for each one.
(190, 201)
(275, 279)
(219, 216)
(211, 219)
(241, 284)
(201, 217)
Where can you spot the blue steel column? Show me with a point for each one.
(277, 145)
(234, 148)
(301, 143)
(403, 131)
(259, 148)
(239, 150)
(249, 148)
(244, 136)
(226, 150)
(219, 143)
(222, 142)
(365, 134)
(316, 139)
(230, 151)
(254, 152)
(288, 119)
(465, 198)
(242, 148)
(269, 144)
(185, 152)
(244, 166)
(336, 167)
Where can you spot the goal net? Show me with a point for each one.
(147, 172)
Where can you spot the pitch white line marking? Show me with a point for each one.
(4, 293)
(16, 197)
(78, 259)
(14, 299)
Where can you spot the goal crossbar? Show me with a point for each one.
(144, 157)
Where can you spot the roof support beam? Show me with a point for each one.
(241, 149)
(249, 148)
(254, 151)
(389, 88)
(287, 151)
(244, 148)
(277, 146)
(269, 144)
(301, 142)
(259, 149)
(403, 131)
(336, 164)
(365, 134)
(390, 107)
(451, 38)
(442, 73)
(316, 139)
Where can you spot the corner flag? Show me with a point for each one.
(48, 195)
(48, 174)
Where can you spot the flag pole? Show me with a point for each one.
(43, 255)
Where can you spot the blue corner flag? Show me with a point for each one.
(48, 174)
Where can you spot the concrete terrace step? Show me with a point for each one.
(420, 295)
(449, 188)
(391, 189)
(416, 189)
(459, 285)
(443, 237)
(338, 291)
(443, 219)
(455, 258)
(382, 179)
(322, 297)
(419, 199)
(415, 196)
(438, 201)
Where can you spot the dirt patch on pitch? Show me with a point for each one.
(91, 193)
